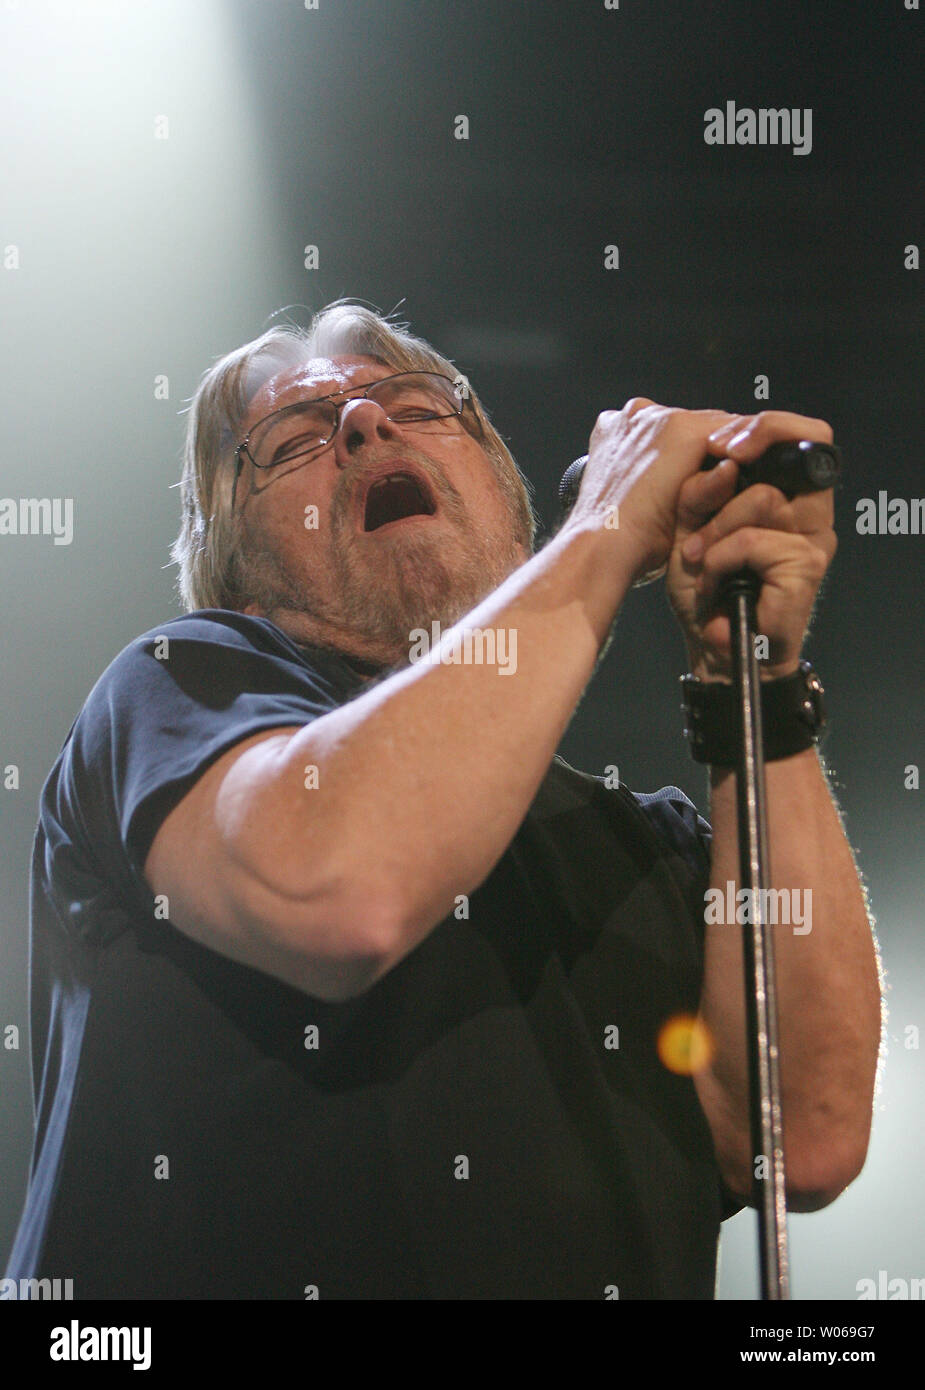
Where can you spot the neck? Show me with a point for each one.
(311, 632)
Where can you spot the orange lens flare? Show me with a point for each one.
(685, 1045)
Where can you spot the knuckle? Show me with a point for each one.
(603, 420)
(820, 561)
(772, 424)
(812, 556)
(680, 422)
(766, 496)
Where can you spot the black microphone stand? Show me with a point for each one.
(794, 468)
(740, 596)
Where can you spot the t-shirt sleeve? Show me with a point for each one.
(675, 818)
(679, 825)
(167, 707)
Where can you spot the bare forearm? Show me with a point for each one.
(827, 983)
(423, 780)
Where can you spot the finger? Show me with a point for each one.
(764, 505)
(758, 432)
(759, 505)
(726, 430)
(762, 550)
(704, 494)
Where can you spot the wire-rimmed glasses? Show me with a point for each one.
(417, 401)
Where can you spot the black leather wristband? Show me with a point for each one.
(793, 716)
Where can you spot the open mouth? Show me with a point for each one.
(394, 497)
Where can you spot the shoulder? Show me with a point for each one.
(210, 651)
(212, 628)
(202, 679)
(170, 704)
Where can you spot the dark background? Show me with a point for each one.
(143, 257)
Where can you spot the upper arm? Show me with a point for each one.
(175, 782)
(202, 863)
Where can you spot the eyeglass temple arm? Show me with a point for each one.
(239, 464)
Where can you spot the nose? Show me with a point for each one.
(362, 422)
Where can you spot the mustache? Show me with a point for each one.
(354, 479)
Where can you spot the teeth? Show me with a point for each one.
(393, 478)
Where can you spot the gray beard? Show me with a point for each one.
(411, 587)
(414, 588)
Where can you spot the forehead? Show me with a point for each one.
(322, 376)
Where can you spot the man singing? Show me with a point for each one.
(344, 984)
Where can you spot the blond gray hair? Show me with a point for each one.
(205, 548)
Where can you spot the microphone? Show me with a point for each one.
(794, 466)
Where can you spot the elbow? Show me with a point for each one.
(826, 1152)
(356, 950)
(333, 943)
(819, 1163)
(813, 1177)
(816, 1178)
(351, 945)
(369, 928)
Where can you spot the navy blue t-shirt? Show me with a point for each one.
(490, 1120)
